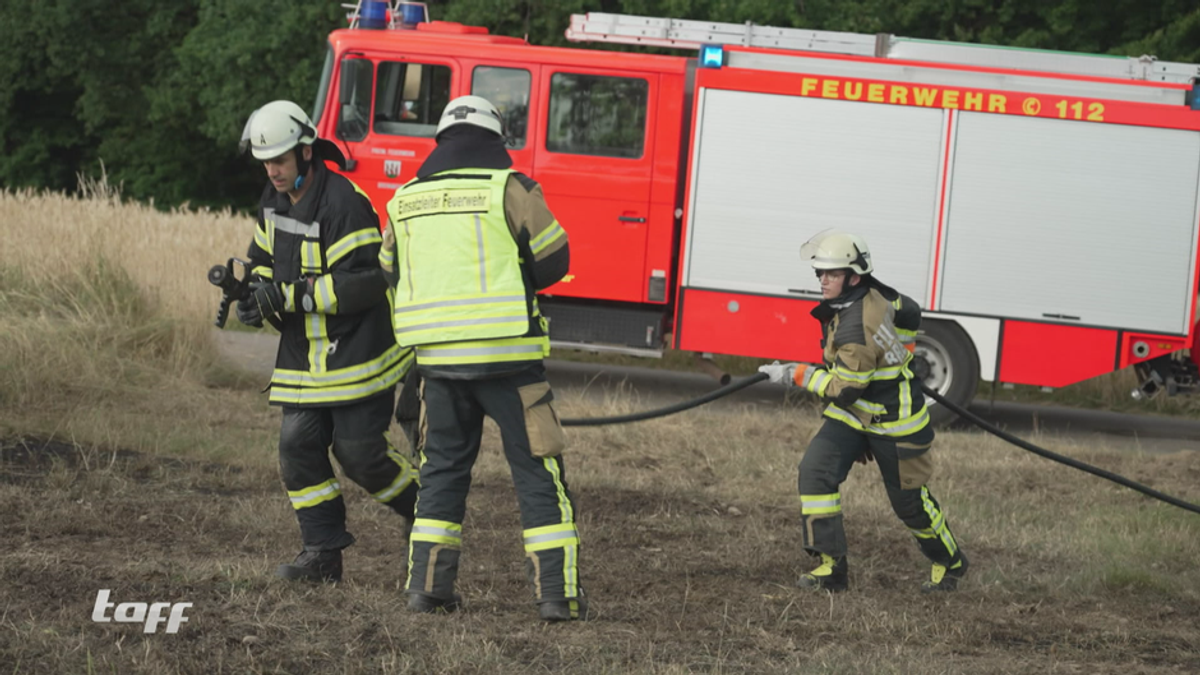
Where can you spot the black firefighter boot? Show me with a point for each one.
(946, 577)
(313, 566)
(432, 570)
(569, 609)
(428, 604)
(831, 575)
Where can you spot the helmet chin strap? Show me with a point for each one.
(302, 167)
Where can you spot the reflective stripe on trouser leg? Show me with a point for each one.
(926, 521)
(454, 427)
(322, 520)
(824, 467)
(316, 496)
(915, 507)
(821, 524)
(401, 493)
(433, 551)
(397, 476)
(552, 561)
(361, 446)
(936, 540)
(547, 508)
(811, 505)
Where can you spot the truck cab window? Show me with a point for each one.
(354, 97)
(508, 90)
(410, 98)
(597, 115)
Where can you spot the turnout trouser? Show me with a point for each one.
(453, 423)
(905, 464)
(358, 434)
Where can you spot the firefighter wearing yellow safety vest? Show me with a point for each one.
(875, 410)
(315, 262)
(473, 242)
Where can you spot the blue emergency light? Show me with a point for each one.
(413, 13)
(381, 14)
(373, 15)
(712, 56)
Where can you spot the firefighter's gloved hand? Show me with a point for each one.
(867, 456)
(269, 297)
(247, 312)
(803, 374)
(780, 373)
(387, 252)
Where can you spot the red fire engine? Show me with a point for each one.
(1043, 207)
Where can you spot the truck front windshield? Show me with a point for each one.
(323, 87)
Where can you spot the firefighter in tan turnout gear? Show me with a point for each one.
(875, 410)
(315, 262)
(474, 242)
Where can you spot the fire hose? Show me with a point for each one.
(970, 417)
(669, 410)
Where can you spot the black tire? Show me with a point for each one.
(946, 361)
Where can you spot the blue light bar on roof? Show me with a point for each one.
(712, 56)
(373, 15)
(413, 13)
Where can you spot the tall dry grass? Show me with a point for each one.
(108, 317)
(166, 254)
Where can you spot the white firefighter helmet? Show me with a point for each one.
(834, 250)
(475, 110)
(276, 128)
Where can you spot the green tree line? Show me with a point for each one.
(159, 91)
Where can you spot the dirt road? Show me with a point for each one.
(654, 387)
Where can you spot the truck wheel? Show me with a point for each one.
(945, 360)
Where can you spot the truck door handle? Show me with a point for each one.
(631, 219)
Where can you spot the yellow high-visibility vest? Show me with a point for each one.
(460, 298)
(460, 278)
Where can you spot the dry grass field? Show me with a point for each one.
(131, 459)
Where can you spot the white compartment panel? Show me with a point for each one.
(770, 171)
(1093, 222)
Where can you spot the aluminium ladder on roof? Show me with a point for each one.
(691, 34)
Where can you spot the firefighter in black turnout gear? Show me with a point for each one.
(875, 410)
(314, 259)
(474, 241)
